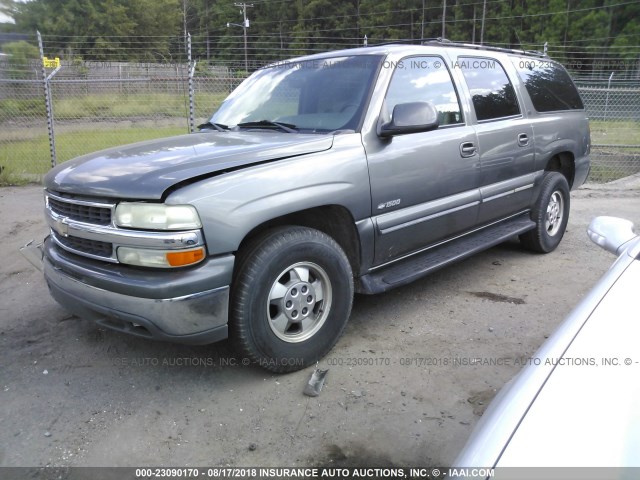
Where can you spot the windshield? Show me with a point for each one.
(311, 96)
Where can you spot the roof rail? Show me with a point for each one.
(443, 42)
(419, 41)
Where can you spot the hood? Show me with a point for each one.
(146, 170)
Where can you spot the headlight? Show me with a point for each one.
(157, 216)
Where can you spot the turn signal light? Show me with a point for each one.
(182, 258)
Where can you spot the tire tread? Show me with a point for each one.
(252, 259)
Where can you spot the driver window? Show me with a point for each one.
(425, 79)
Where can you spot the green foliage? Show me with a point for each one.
(21, 56)
(21, 51)
(578, 32)
(102, 29)
(29, 107)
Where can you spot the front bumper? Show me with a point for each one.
(185, 305)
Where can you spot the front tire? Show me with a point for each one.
(291, 298)
(551, 214)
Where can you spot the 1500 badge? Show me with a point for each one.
(389, 204)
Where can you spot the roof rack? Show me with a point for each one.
(443, 42)
(405, 40)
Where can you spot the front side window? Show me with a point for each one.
(548, 84)
(425, 79)
(312, 96)
(491, 91)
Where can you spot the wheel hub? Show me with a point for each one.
(554, 213)
(299, 301)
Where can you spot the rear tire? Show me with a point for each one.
(551, 214)
(291, 298)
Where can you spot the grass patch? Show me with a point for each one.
(605, 174)
(114, 106)
(8, 178)
(615, 132)
(613, 161)
(29, 107)
(25, 157)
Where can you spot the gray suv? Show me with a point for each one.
(350, 171)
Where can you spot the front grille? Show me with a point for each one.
(81, 213)
(89, 247)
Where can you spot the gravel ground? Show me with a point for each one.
(72, 394)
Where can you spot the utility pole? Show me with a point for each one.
(422, 29)
(473, 34)
(245, 25)
(358, 19)
(206, 25)
(184, 22)
(484, 14)
(444, 15)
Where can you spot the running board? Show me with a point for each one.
(416, 266)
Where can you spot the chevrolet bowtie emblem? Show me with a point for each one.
(62, 227)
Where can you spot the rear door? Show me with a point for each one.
(505, 139)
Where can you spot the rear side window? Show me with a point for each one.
(548, 84)
(492, 94)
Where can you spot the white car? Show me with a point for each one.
(577, 402)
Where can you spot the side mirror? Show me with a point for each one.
(611, 233)
(411, 117)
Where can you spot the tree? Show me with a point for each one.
(21, 56)
(580, 33)
(102, 29)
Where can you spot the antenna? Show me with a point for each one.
(515, 32)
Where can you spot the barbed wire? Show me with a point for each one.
(265, 48)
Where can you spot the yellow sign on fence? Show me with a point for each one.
(51, 62)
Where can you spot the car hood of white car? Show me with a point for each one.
(588, 412)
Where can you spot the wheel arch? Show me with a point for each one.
(334, 220)
(564, 163)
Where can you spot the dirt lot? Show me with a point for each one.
(72, 394)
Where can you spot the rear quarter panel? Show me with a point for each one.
(555, 132)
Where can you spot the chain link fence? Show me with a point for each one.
(97, 105)
(614, 113)
(24, 144)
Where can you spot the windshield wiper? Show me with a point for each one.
(285, 127)
(218, 126)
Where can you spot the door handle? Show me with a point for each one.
(468, 149)
(523, 140)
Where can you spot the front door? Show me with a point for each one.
(424, 186)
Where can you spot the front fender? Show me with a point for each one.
(233, 204)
